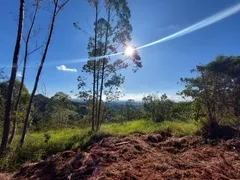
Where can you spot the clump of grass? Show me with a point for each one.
(36, 147)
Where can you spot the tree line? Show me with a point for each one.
(214, 103)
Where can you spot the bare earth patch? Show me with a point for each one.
(5, 176)
(150, 157)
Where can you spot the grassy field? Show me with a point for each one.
(37, 146)
(178, 128)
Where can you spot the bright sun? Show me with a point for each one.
(129, 51)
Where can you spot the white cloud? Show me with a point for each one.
(178, 98)
(139, 96)
(19, 74)
(64, 68)
(135, 96)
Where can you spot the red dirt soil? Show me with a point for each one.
(149, 157)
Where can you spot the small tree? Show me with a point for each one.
(216, 89)
(58, 6)
(6, 126)
(111, 35)
(19, 116)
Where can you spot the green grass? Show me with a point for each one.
(35, 147)
(178, 128)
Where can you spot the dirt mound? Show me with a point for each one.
(150, 157)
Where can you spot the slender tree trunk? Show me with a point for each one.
(89, 107)
(209, 103)
(6, 126)
(14, 128)
(94, 69)
(38, 74)
(97, 95)
(103, 69)
(23, 77)
(93, 99)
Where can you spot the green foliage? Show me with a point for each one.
(47, 137)
(158, 108)
(130, 110)
(57, 112)
(23, 103)
(40, 107)
(182, 111)
(153, 107)
(216, 92)
(112, 32)
(124, 111)
(36, 148)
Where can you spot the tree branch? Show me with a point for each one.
(36, 49)
(60, 7)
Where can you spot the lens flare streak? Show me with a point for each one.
(206, 22)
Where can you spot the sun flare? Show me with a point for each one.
(129, 51)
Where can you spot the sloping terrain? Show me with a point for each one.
(150, 157)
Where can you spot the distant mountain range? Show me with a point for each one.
(113, 102)
(113, 105)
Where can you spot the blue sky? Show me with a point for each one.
(163, 64)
